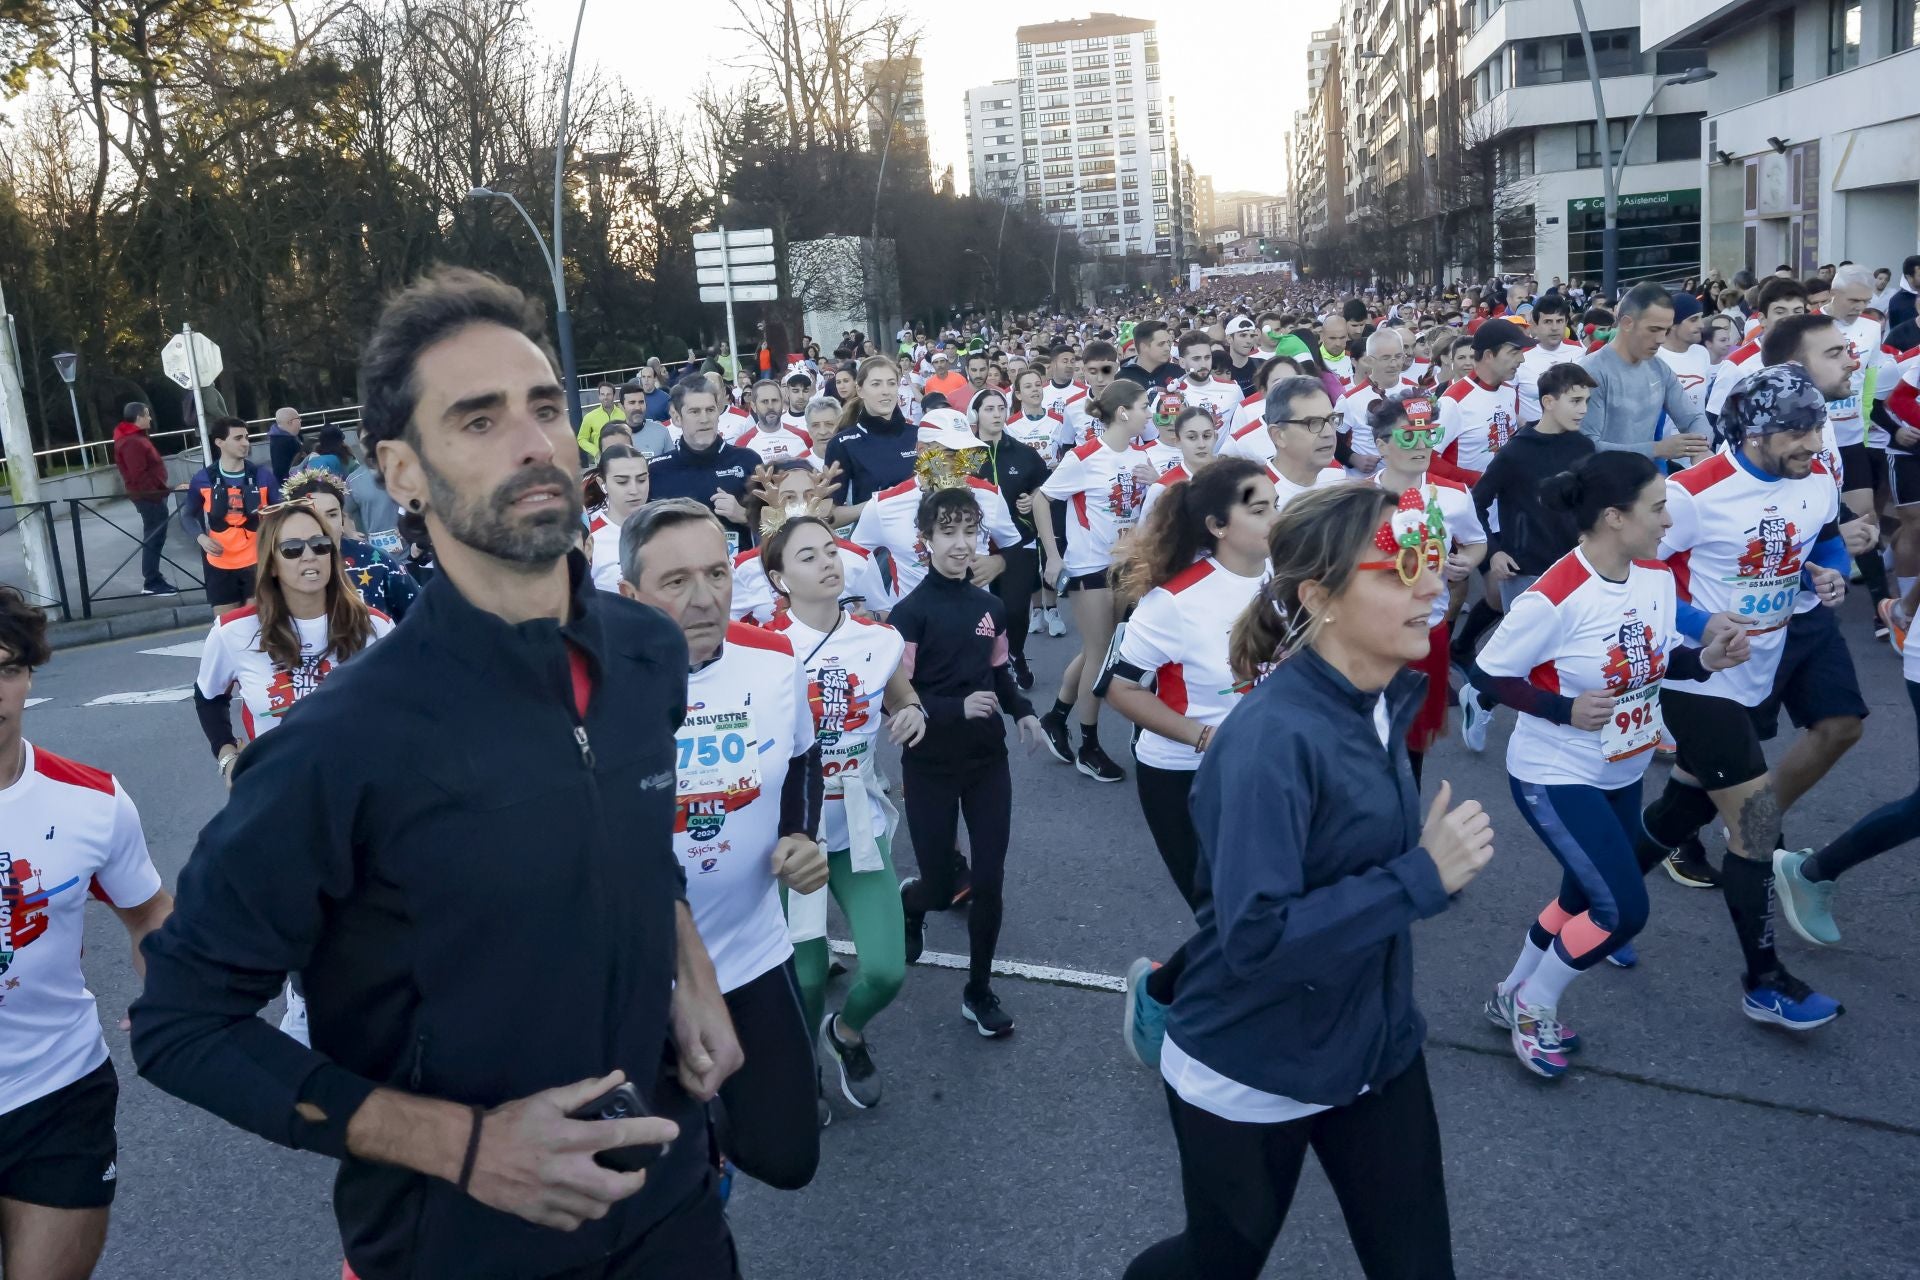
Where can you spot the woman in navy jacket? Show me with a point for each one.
(1294, 1024)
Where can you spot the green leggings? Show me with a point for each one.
(871, 902)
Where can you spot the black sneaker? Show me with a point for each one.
(985, 1013)
(161, 588)
(1093, 762)
(916, 923)
(1054, 726)
(1688, 866)
(859, 1079)
(962, 881)
(1023, 674)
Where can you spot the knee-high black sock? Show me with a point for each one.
(1873, 571)
(1748, 886)
(1481, 619)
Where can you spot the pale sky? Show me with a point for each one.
(1236, 75)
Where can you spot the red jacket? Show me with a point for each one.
(141, 469)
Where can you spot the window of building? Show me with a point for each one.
(1843, 35)
(1563, 59)
(1783, 50)
(1678, 136)
(1659, 237)
(1587, 149)
(1905, 13)
(1672, 62)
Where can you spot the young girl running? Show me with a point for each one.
(1193, 568)
(1197, 436)
(1581, 655)
(623, 479)
(851, 664)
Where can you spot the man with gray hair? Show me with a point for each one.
(283, 442)
(1632, 386)
(1300, 431)
(1381, 369)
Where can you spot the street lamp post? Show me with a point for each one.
(67, 365)
(1609, 172)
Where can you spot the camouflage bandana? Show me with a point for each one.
(1778, 398)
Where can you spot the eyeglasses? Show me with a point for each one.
(1416, 437)
(295, 548)
(1315, 425)
(1408, 562)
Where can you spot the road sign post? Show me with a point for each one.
(23, 469)
(736, 266)
(192, 360)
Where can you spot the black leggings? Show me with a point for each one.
(937, 795)
(767, 1122)
(1164, 803)
(1015, 587)
(1380, 1152)
(1893, 823)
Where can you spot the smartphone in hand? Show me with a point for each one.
(620, 1103)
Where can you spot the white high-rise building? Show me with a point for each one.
(1093, 128)
(993, 139)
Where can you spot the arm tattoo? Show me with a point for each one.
(1760, 824)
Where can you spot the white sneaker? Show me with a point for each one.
(1036, 621)
(1055, 627)
(1474, 719)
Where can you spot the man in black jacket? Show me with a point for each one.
(703, 466)
(497, 933)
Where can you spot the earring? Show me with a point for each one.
(1330, 620)
(414, 505)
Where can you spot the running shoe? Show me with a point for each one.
(1896, 634)
(1036, 621)
(1623, 956)
(1688, 866)
(962, 881)
(916, 923)
(1782, 1000)
(1537, 1041)
(1145, 1020)
(985, 1013)
(1022, 673)
(1808, 904)
(1053, 727)
(859, 1078)
(1474, 719)
(1095, 763)
(1055, 627)
(160, 588)
(1499, 1011)
(822, 1112)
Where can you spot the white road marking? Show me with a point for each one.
(1012, 969)
(190, 649)
(143, 697)
(34, 702)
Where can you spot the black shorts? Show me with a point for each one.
(229, 586)
(1863, 467)
(59, 1150)
(1905, 485)
(1714, 737)
(1816, 680)
(1095, 581)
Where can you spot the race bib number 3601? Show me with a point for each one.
(1765, 601)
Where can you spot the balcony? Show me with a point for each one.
(1535, 105)
(1512, 22)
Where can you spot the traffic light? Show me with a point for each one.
(1263, 244)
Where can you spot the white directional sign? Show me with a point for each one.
(734, 239)
(740, 293)
(738, 255)
(737, 274)
(205, 360)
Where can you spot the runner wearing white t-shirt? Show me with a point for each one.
(1581, 655)
(67, 832)
(1193, 569)
(1101, 485)
(748, 786)
(1779, 298)
(1220, 397)
(1196, 436)
(1031, 422)
(853, 668)
(624, 478)
(1548, 327)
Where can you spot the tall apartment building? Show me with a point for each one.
(1092, 124)
(1315, 149)
(1206, 210)
(1811, 141)
(895, 92)
(1532, 99)
(993, 139)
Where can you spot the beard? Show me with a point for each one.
(488, 525)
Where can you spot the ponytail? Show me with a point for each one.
(1122, 394)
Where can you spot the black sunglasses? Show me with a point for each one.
(295, 548)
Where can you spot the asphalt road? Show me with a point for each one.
(1686, 1142)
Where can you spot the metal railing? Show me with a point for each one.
(21, 513)
(94, 587)
(64, 459)
(196, 575)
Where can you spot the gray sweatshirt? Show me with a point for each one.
(1626, 403)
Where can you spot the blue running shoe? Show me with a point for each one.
(1145, 1021)
(1499, 1011)
(1623, 956)
(1782, 1000)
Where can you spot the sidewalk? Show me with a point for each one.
(110, 532)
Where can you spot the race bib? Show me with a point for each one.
(1635, 724)
(1765, 601)
(718, 767)
(389, 544)
(733, 543)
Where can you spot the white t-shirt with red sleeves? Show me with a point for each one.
(1035, 433)
(747, 716)
(777, 445)
(66, 830)
(1352, 411)
(232, 661)
(1250, 440)
(890, 520)
(1056, 399)
(1692, 369)
(1848, 415)
(847, 673)
(1904, 402)
(1178, 637)
(1249, 412)
(1526, 380)
(1219, 397)
(1456, 513)
(1573, 631)
(1286, 491)
(1740, 362)
(1737, 545)
(1475, 420)
(1158, 489)
(754, 600)
(1103, 491)
(734, 423)
(604, 534)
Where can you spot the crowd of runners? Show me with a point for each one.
(1290, 540)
